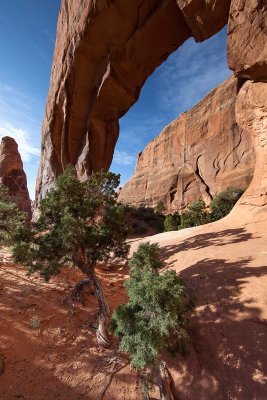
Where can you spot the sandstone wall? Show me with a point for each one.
(12, 174)
(198, 155)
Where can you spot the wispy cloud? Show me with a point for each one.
(23, 138)
(123, 158)
(177, 85)
(190, 73)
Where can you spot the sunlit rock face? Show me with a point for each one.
(104, 52)
(247, 37)
(12, 174)
(247, 57)
(198, 155)
(204, 17)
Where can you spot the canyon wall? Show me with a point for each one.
(198, 155)
(104, 52)
(12, 174)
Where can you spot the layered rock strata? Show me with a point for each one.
(105, 50)
(198, 155)
(12, 174)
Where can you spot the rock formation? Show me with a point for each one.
(247, 57)
(105, 50)
(247, 34)
(198, 155)
(12, 174)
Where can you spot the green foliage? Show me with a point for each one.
(194, 215)
(197, 214)
(142, 219)
(80, 224)
(171, 222)
(155, 318)
(160, 207)
(11, 218)
(223, 202)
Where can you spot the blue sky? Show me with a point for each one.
(27, 36)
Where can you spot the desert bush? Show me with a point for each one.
(11, 218)
(155, 318)
(223, 202)
(142, 219)
(194, 215)
(171, 222)
(160, 207)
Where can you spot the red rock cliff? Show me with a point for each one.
(198, 155)
(12, 174)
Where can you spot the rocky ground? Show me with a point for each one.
(50, 352)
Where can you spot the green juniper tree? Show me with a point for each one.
(171, 222)
(80, 224)
(155, 319)
(224, 201)
(194, 215)
(11, 218)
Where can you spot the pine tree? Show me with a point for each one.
(154, 320)
(11, 218)
(80, 224)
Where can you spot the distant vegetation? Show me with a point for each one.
(144, 220)
(223, 202)
(197, 213)
(11, 218)
(155, 318)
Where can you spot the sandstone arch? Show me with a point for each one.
(104, 52)
(106, 49)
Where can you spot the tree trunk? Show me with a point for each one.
(165, 384)
(78, 294)
(104, 310)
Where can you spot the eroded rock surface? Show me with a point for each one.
(105, 50)
(205, 17)
(12, 174)
(198, 155)
(247, 37)
(251, 114)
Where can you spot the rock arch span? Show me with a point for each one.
(106, 49)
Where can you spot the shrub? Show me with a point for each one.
(160, 207)
(156, 317)
(223, 202)
(141, 219)
(171, 222)
(194, 215)
(11, 218)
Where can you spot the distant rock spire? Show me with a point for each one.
(12, 174)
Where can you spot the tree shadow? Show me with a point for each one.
(59, 358)
(228, 334)
(200, 241)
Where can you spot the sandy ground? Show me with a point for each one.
(49, 349)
